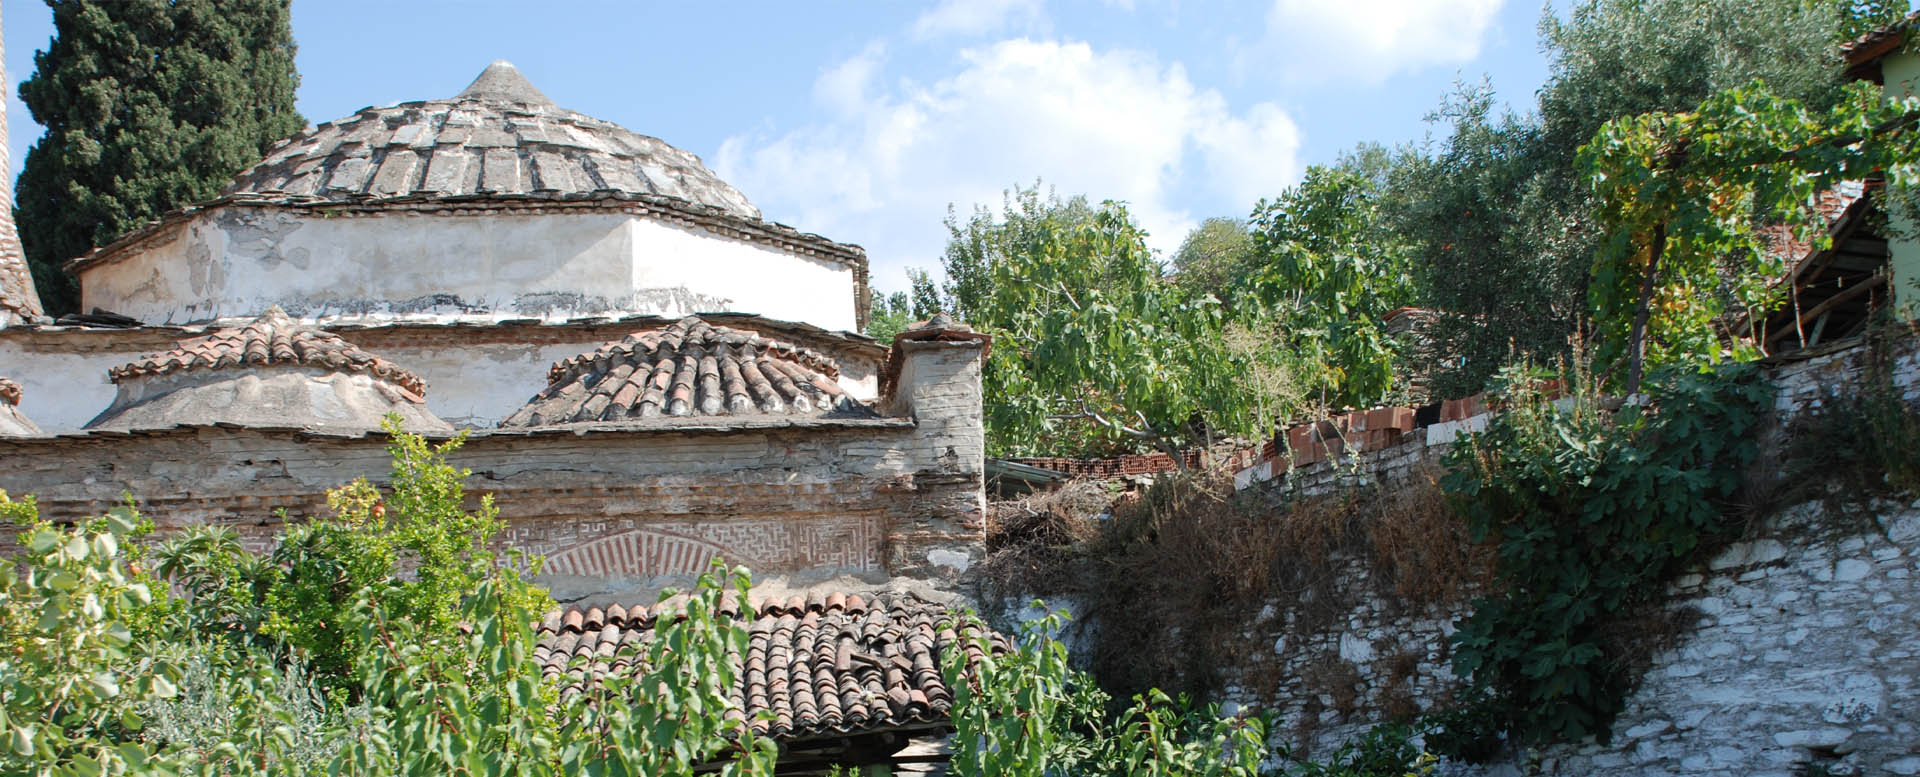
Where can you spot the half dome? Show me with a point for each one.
(270, 372)
(14, 423)
(499, 136)
(690, 369)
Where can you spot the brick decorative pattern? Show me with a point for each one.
(628, 547)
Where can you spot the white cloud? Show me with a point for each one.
(975, 17)
(1371, 39)
(883, 166)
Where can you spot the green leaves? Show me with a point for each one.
(1025, 711)
(149, 106)
(1093, 350)
(1683, 196)
(1593, 513)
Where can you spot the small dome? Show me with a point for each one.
(499, 136)
(270, 372)
(686, 369)
(14, 423)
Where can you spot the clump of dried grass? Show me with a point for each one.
(1172, 584)
(1421, 552)
(1035, 544)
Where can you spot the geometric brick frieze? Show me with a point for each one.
(638, 547)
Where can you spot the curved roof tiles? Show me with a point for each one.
(500, 136)
(689, 368)
(272, 339)
(821, 665)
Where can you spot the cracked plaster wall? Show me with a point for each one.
(474, 378)
(238, 260)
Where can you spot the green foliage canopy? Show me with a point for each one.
(1681, 196)
(1329, 274)
(1591, 513)
(1093, 349)
(149, 105)
(1502, 224)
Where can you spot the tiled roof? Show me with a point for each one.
(273, 338)
(9, 391)
(16, 282)
(500, 136)
(689, 368)
(1832, 205)
(822, 665)
(1877, 42)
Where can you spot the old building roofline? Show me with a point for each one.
(671, 209)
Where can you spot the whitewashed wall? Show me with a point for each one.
(238, 260)
(473, 378)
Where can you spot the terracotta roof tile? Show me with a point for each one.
(821, 666)
(273, 338)
(689, 368)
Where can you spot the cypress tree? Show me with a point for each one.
(149, 105)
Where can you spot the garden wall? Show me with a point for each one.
(1792, 652)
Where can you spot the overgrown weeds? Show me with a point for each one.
(1859, 444)
(1184, 586)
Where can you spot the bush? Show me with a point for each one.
(1591, 513)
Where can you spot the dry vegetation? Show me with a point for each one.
(1170, 582)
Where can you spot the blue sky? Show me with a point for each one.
(864, 121)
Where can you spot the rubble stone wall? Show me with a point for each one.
(1803, 655)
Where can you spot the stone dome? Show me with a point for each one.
(270, 372)
(690, 369)
(500, 136)
(14, 423)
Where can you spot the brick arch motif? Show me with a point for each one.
(638, 553)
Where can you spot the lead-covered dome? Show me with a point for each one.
(499, 136)
(270, 372)
(689, 368)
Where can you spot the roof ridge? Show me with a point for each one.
(272, 338)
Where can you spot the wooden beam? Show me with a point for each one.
(1856, 290)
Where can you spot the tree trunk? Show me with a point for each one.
(1637, 337)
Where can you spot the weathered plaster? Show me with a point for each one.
(236, 260)
(622, 511)
(1902, 74)
(475, 375)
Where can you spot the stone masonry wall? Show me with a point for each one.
(616, 511)
(1804, 653)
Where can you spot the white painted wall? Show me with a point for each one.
(60, 391)
(238, 260)
(468, 385)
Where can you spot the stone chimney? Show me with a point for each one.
(933, 376)
(19, 303)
